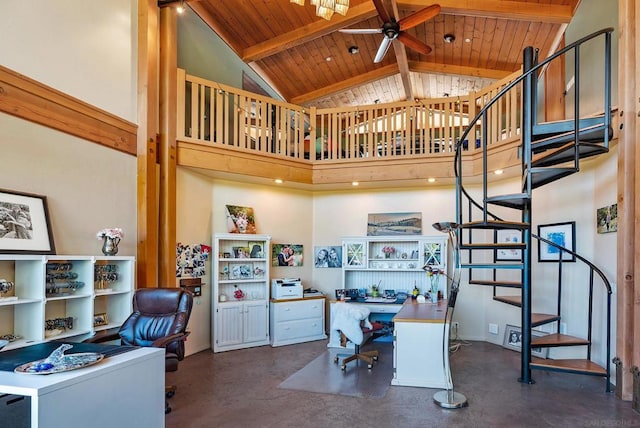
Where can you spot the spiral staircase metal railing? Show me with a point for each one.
(549, 151)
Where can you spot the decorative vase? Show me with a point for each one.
(110, 246)
(387, 255)
(434, 289)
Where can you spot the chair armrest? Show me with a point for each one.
(104, 336)
(164, 341)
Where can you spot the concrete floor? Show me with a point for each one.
(240, 389)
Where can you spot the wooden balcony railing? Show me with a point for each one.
(223, 116)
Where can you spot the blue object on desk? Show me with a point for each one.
(401, 297)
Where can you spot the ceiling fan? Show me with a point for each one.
(392, 29)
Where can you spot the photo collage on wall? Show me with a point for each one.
(190, 260)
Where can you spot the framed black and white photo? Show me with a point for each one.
(561, 234)
(508, 237)
(24, 224)
(513, 340)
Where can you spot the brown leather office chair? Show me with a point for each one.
(159, 319)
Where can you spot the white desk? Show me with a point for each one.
(418, 356)
(125, 390)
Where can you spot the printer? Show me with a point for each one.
(286, 288)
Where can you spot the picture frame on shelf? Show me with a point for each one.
(241, 271)
(258, 270)
(506, 236)
(25, 227)
(241, 252)
(513, 340)
(563, 234)
(100, 319)
(256, 250)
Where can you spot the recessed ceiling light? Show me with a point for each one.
(355, 183)
(498, 172)
(467, 40)
(431, 180)
(328, 59)
(278, 181)
(449, 38)
(353, 50)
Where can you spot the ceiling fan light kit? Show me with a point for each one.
(396, 29)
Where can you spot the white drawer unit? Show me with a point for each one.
(297, 320)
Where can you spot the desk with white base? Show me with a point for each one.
(125, 390)
(418, 346)
(418, 341)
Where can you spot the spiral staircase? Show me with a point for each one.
(549, 152)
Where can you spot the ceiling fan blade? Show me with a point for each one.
(413, 43)
(382, 50)
(382, 12)
(361, 30)
(419, 17)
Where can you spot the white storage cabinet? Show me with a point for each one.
(241, 263)
(297, 320)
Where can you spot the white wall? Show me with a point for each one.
(88, 186)
(86, 49)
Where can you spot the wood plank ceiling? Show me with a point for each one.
(289, 46)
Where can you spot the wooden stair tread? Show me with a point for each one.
(495, 224)
(557, 339)
(510, 300)
(491, 283)
(540, 319)
(570, 365)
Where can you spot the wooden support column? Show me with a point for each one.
(554, 89)
(628, 292)
(147, 147)
(167, 149)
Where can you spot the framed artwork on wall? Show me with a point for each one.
(24, 224)
(394, 224)
(560, 234)
(607, 219)
(508, 236)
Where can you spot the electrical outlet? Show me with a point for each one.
(493, 328)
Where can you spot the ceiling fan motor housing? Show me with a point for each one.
(391, 29)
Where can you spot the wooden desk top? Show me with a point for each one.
(412, 311)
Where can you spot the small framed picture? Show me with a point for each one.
(513, 340)
(508, 237)
(241, 252)
(256, 250)
(226, 255)
(258, 270)
(241, 271)
(100, 319)
(559, 235)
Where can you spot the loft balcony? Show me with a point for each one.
(225, 132)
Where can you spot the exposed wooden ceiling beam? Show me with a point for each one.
(309, 32)
(377, 74)
(504, 9)
(430, 67)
